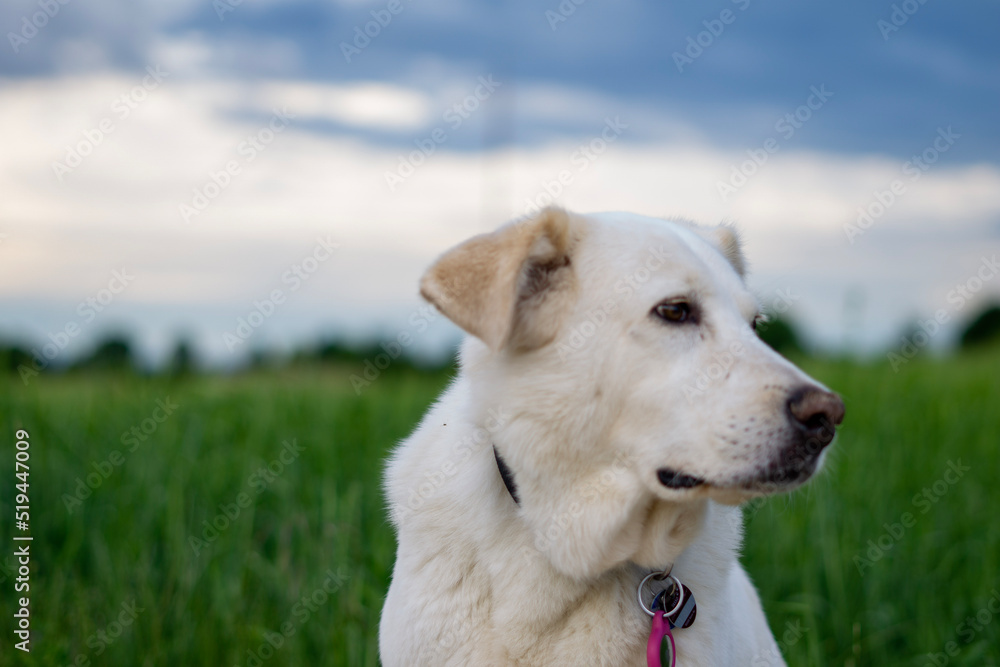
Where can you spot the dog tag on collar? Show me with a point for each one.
(688, 609)
(660, 650)
(680, 601)
(673, 607)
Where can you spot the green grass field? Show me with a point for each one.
(861, 567)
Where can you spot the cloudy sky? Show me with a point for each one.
(168, 168)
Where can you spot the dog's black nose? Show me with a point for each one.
(816, 412)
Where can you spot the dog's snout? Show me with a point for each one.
(816, 411)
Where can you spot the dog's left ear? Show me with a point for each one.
(727, 240)
(510, 288)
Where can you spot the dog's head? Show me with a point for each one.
(623, 348)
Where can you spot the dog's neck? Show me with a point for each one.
(602, 519)
(653, 536)
(667, 530)
(680, 526)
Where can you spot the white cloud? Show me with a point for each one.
(120, 207)
(365, 105)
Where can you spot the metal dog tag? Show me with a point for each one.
(673, 607)
(680, 602)
(684, 617)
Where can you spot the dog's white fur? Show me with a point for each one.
(586, 395)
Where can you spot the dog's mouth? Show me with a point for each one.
(788, 468)
(770, 479)
(673, 479)
(790, 473)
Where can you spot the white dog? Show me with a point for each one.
(613, 407)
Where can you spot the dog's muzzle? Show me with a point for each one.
(813, 414)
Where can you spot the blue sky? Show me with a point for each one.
(896, 78)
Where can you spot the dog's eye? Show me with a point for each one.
(674, 311)
(757, 320)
